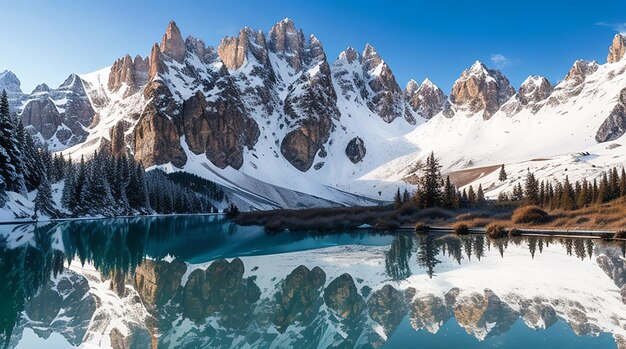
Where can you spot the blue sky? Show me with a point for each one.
(45, 41)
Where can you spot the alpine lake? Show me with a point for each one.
(204, 282)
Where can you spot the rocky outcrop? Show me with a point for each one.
(132, 73)
(172, 44)
(310, 105)
(219, 129)
(429, 313)
(41, 88)
(426, 99)
(531, 95)
(157, 281)
(617, 49)
(299, 298)
(614, 126)
(221, 289)
(480, 89)
(355, 150)
(343, 298)
(387, 307)
(580, 70)
(156, 137)
(60, 115)
(614, 267)
(10, 83)
(387, 99)
(573, 83)
(287, 43)
(234, 51)
(484, 315)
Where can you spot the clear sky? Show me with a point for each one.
(45, 41)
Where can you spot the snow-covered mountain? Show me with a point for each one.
(268, 113)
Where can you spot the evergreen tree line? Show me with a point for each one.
(433, 191)
(566, 195)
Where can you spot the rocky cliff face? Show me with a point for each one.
(531, 95)
(617, 49)
(426, 99)
(58, 117)
(615, 124)
(481, 90)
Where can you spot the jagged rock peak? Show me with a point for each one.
(370, 58)
(534, 89)
(411, 87)
(172, 44)
(9, 82)
(580, 70)
(427, 99)
(197, 46)
(481, 89)
(617, 49)
(349, 55)
(234, 51)
(41, 88)
(133, 73)
(286, 41)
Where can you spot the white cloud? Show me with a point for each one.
(499, 60)
(618, 27)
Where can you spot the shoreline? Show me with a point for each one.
(69, 219)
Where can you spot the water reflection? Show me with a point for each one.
(149, 277)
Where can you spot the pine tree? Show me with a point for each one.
(567, 196)
(622, 183)
(11, 166)
(406, 197)
(502, 176)
(531, 189)
(604, 190)
(472, 200)
(397, 200)
(43, 199)
(518, 193)
(480, 195)
(431, 182)
(450, 195)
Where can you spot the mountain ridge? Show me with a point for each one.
(260, 102)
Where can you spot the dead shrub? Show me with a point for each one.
(530, 215)
(460, 229)
(421, 227)
(496, 231)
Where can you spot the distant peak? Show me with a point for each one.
(411, 87)
(478, 66)
(427, 82)
(349, 55)
(172, 43)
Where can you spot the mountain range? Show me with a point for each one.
(269, 117)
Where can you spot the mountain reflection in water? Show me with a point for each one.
(148, 282)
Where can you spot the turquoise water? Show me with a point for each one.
(144, 264)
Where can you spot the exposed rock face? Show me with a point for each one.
(537, 313)
(309, 107)
(206, 53)
(533, 93)
(220, 289)
(41, 88)
(172, 44)
(220, 129)
(65, 308)
(156, 137)
(10, 83)
(387, 307)
(355, 150)
(484, 315)
(287, 43)
(613, 267)
(299, 298)
(580, 70)
(481, 89)
(429, 313)
(427, 99)
(387, 100)
(126, 71)
(233, 51)
(615, 124)
(342, 296)
(157, 281)
(156, 64)
(63, 113)
(617, 49)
